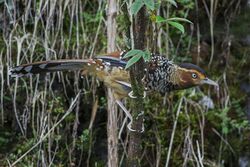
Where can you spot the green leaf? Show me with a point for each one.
(179, 19)
(146, 56)
(136, 6)
(177, 25)
(160, 19)
(132, 53)
(150, 4)
(172, 2)
(133, 60)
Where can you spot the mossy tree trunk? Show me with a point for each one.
(136, 75)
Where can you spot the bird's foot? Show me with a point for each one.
(131, 95)
(127, 113)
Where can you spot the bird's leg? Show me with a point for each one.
(130, 94)
(130, 117)
(122, 127)
(127, 114)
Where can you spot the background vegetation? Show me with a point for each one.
(202, 126)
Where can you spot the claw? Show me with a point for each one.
(129, 126)
(130, 94)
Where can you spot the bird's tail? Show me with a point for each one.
(48, 66)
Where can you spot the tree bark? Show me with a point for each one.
(112, 109)
(136, 75)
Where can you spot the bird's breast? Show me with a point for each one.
(160, 75)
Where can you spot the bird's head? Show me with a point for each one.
(192, 75)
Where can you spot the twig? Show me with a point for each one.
(210, 14)
(173, 133)
(224, 140)
(2, 88)
(200, 158)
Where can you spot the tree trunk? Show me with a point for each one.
(112, 109)
(136, 75)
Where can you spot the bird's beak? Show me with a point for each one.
(209, 82)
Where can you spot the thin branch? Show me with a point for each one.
(173, 132)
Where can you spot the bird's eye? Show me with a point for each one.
(194, 75)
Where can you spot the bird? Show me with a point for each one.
(160, 75)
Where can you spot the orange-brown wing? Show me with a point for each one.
(117, 54)
(112, 60)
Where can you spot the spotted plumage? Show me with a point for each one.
(160, 75)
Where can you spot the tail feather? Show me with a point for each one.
(96, 67)
(47, 66)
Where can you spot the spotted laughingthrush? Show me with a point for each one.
(160, 75)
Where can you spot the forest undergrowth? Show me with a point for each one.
(60, 119)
